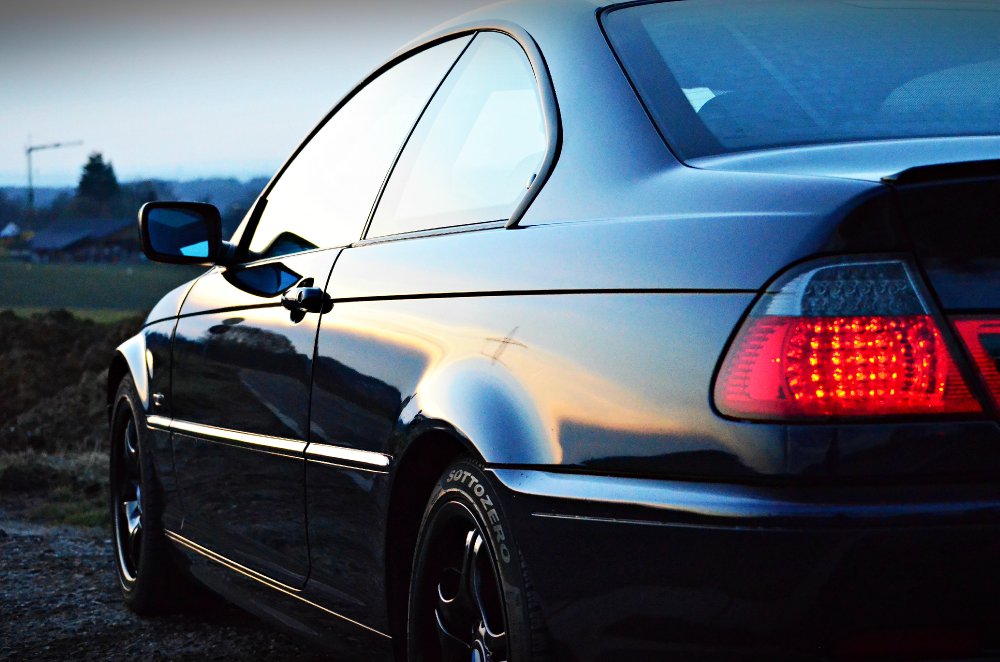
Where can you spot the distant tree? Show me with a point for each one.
(98, 189)
(63, 206)
(136, 194)
(237, 209)
(8, 210)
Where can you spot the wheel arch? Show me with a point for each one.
(129, 359)
(485, 406)
(473, 408)
(415, 473)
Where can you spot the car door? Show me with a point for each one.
(243, 362)
(466, 166)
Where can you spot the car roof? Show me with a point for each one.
(529, 14)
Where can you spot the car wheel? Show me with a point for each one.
(469, 597)
(146, 575)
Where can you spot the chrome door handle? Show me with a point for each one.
(305, 300)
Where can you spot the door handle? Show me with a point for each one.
(306, 300)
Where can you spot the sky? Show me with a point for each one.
(181, 89)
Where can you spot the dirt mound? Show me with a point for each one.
(52, 384)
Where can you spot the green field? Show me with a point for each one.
(104, 292)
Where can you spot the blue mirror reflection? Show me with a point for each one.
(179, 233)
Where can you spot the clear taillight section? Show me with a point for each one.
(841, 339)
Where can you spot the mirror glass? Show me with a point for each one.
(179, 233)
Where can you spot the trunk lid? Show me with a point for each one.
(952, 215)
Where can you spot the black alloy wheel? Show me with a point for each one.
(460, 579)
(470, 598)
(147, 576)
(126, 497)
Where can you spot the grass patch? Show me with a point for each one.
(72, 513)
(57, 488)
(88, 286)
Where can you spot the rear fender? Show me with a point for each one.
(483, 405)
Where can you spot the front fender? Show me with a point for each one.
(131, 358)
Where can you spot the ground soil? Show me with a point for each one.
(59, 600)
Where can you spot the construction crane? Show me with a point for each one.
(28, 151)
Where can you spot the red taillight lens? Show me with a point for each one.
(792, 367)
(982, 339)
(841, 339)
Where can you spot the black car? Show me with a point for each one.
(660, 330)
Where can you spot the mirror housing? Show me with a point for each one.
(181, 232)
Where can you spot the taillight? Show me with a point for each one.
(841, 339)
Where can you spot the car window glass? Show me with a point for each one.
(731, 77)
(476, 148)
(325, 195)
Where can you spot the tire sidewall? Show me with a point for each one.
(467, 483)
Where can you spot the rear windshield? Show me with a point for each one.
(722, 77)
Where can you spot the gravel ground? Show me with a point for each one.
(58, 600)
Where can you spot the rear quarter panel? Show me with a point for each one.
(588, 344)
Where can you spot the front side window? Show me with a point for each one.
(476, 148)
(721, 77)
(324, 197)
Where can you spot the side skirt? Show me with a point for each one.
(283, 605)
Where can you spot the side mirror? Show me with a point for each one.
(181, 232)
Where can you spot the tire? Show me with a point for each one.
(469, 595)
(147, 578)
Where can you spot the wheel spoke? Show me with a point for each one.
(133, 514)
(452, 647)
(456, 601)
(135, 544)
(496, 645)
(127, 485)
(132, 510)
(131, 444)
(486, 592)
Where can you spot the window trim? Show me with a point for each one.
(477, 226)
(550, 118)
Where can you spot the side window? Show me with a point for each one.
(325, 195)
(476, 148)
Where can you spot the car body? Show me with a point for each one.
(298, 402)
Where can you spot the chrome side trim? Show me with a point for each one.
(158, 422)
(263, 579)
(317, 452)
(229, 563)
(328, 452)
(259, 441)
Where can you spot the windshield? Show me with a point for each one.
(721, 77)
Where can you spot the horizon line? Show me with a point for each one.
(139, 180)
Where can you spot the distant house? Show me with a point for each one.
(88, 240)
(10, 231)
